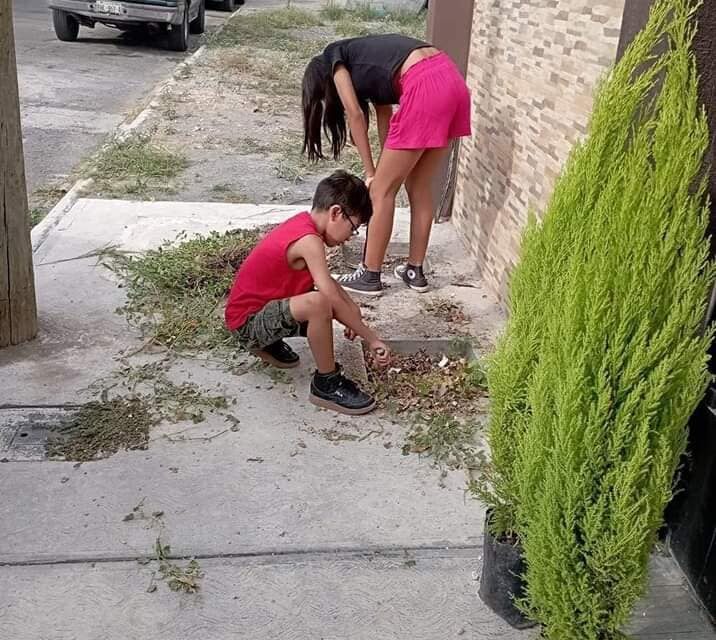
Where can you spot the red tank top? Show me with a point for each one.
(266, 275)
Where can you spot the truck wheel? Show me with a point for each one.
(178, 36)
(66, 25)
(228, 5)
(198, 24)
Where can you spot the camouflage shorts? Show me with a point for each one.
(269, 325)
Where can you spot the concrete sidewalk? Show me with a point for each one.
(305, 524)
(299, 535)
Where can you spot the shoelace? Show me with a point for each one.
(352, 277)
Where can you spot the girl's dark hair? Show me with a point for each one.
(323, 111)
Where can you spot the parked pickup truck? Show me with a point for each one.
(178, 17)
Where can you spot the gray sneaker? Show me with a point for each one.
(412, 276)
(362, 281)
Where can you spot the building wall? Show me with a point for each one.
(532, 70)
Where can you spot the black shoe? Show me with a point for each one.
(336, 392)
(278, 354)
(412, 276)
(362, 281)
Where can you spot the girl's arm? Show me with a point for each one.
(384, 112)
(355, 117)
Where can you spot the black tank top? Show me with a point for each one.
(373, 62)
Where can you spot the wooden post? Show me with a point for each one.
(18, 309)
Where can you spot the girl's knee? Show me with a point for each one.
(384, 188)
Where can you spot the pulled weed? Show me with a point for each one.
(184, 579)
(175, 294)
(100, 429)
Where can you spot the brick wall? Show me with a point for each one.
(532, 71)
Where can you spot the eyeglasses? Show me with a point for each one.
(356, 231)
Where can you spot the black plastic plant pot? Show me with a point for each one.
(501, 583)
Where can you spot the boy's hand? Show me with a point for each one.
(349, 334)
(381, 353)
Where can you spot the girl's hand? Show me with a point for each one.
(368, 180)
(349, 334)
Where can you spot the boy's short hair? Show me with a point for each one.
(346, 190)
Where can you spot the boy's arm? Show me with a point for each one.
(348, 299)
(349, 333)
(310, 248)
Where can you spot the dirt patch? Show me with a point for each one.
(450, 310)
(334, 435)
(428, 384)
(442, 399)
(226, 193)
(343, 431)
(235, 114)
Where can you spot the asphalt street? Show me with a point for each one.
(73, 93)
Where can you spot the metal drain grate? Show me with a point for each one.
(24, 431)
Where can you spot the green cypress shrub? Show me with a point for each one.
(546, 248)
(612, 361)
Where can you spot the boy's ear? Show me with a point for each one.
(334, 211)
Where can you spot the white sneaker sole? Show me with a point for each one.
(269, 359)
(361, 292)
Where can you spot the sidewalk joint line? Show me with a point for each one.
(347, 553)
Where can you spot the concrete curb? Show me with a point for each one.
(126, 128)
(41, 230)
(123, 131)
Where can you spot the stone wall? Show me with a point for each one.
(532, 70)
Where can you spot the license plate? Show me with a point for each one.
(112, 8)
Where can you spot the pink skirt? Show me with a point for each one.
(434, 106)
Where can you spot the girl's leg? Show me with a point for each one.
(394, 167)
(419, 185)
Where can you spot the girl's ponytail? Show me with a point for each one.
(323, 111)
